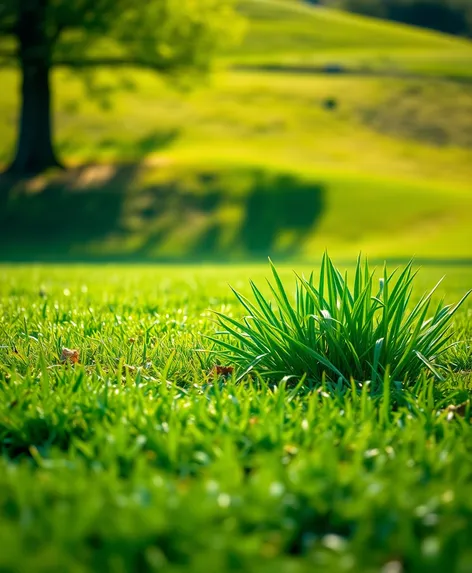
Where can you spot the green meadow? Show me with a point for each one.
(146, 448)
(138, 458)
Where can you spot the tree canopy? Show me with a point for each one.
(169, 36)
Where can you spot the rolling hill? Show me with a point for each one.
(292, 33)
(322, 129)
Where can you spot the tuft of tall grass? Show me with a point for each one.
(344, 332)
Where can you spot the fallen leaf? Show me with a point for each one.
(218, 370)
(69, 355)
(290, 449)
(461, 409)
(457, 410)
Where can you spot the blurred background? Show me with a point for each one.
(265, 127)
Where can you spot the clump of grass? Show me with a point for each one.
(343, 332)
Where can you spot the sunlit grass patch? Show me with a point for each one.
(153, 461)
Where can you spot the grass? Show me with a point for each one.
(274, 117)
(257, 137)
(358, 333)
(230, 212)
(136, 458)
(295, 34)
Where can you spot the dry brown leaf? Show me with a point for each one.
(457, 410)
(290, 449)
(69, 355)
(218, 370)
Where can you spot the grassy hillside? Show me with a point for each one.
(370, 161)
(292, 33)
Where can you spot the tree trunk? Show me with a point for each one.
(34, 150)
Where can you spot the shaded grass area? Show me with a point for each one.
(414, 111)
(155, 465)
(180, 211)
(134, 211)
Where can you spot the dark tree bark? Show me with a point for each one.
(34, 150)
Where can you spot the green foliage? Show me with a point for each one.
(168, 35)
(135, 459)
(362, 332)
(171, 36)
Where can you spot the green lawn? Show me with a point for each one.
(322, 130)
(135, 459)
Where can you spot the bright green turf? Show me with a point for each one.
(410, 128)
(135, 460)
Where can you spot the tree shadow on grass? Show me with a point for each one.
(280, 211)
(144, 213)
(275, 214)
(53, 213)
(140, 148)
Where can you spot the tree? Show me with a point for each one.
(169, 36)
